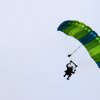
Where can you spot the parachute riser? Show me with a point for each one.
(74, 52)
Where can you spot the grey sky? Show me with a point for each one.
(33, 54)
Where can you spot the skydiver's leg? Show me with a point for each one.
(65, 75)
(68, 77)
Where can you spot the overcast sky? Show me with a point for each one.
(33, 54)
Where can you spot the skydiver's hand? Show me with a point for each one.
(71, 61)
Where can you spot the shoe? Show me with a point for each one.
(67, 78)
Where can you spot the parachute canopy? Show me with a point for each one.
(85, 35)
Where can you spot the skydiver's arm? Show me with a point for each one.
(73, 63)
(74, 71)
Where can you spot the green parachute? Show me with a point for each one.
(85, 35)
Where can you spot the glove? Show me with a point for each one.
(71, 61)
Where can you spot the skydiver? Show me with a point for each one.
(70, 70)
